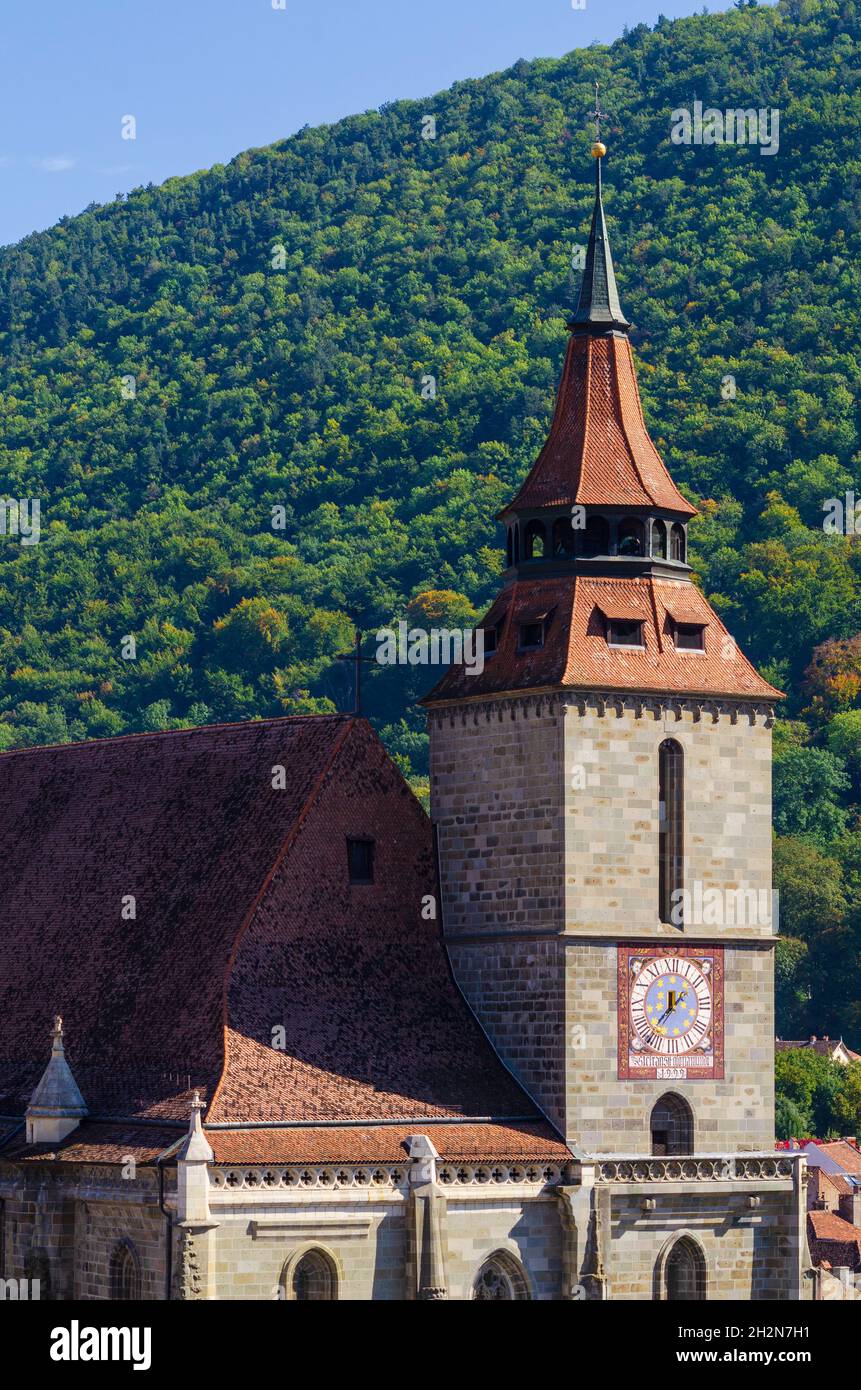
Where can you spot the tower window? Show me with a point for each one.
(491, 637)
(659, 540)
(670, 830)
(531, 636)
(631, 539)
(689, 637)
(563, 538)
(533, 541)
(677, 542)
(360, 860)
(624, 632)
(596, 536)
(671, 1127)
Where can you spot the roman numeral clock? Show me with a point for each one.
(670, 1013)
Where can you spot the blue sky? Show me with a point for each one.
(206, 79)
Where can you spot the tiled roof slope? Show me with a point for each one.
(598, 451)
(844, 1154)
(100, 1143)
(375, 1027)
(576, 654)
(386, 1143)
(246, 923)
(834, 1239)
(187, 823)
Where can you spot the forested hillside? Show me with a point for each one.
(176, 365)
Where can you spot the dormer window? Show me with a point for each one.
(491, 638)
(531, 636)
(624, 632)
(689, 637)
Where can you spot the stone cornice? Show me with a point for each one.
(606, 703)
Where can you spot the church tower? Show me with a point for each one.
(602, 791)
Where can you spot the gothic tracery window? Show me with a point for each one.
(125, 1272)
(685, 1273)
(499, 1280)
(312, 1278)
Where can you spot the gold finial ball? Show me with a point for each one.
(599, 150)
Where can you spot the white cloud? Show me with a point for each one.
(55, 164)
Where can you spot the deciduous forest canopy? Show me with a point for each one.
(278, 315)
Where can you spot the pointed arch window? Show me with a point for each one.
(685, 1272)
(125, 1272)
(312, 1279)
(671, 1127)
(671, 789)
(499, 1280)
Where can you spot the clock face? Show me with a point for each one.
(671, 1005)
(670, 1012)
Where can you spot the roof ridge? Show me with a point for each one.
(141, 734)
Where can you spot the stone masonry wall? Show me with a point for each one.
(547, 818)
(611, 817)
(748, 1253)
(606, 1115)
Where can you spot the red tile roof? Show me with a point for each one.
(844, 1154)
(834, 1239)
(576, 654)
(99, 1143)
(467, 1143)
(598, 451)
(253, 969)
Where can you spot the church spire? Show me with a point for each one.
(598, 305)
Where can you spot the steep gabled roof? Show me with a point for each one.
(253, 969)
(186, 824)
